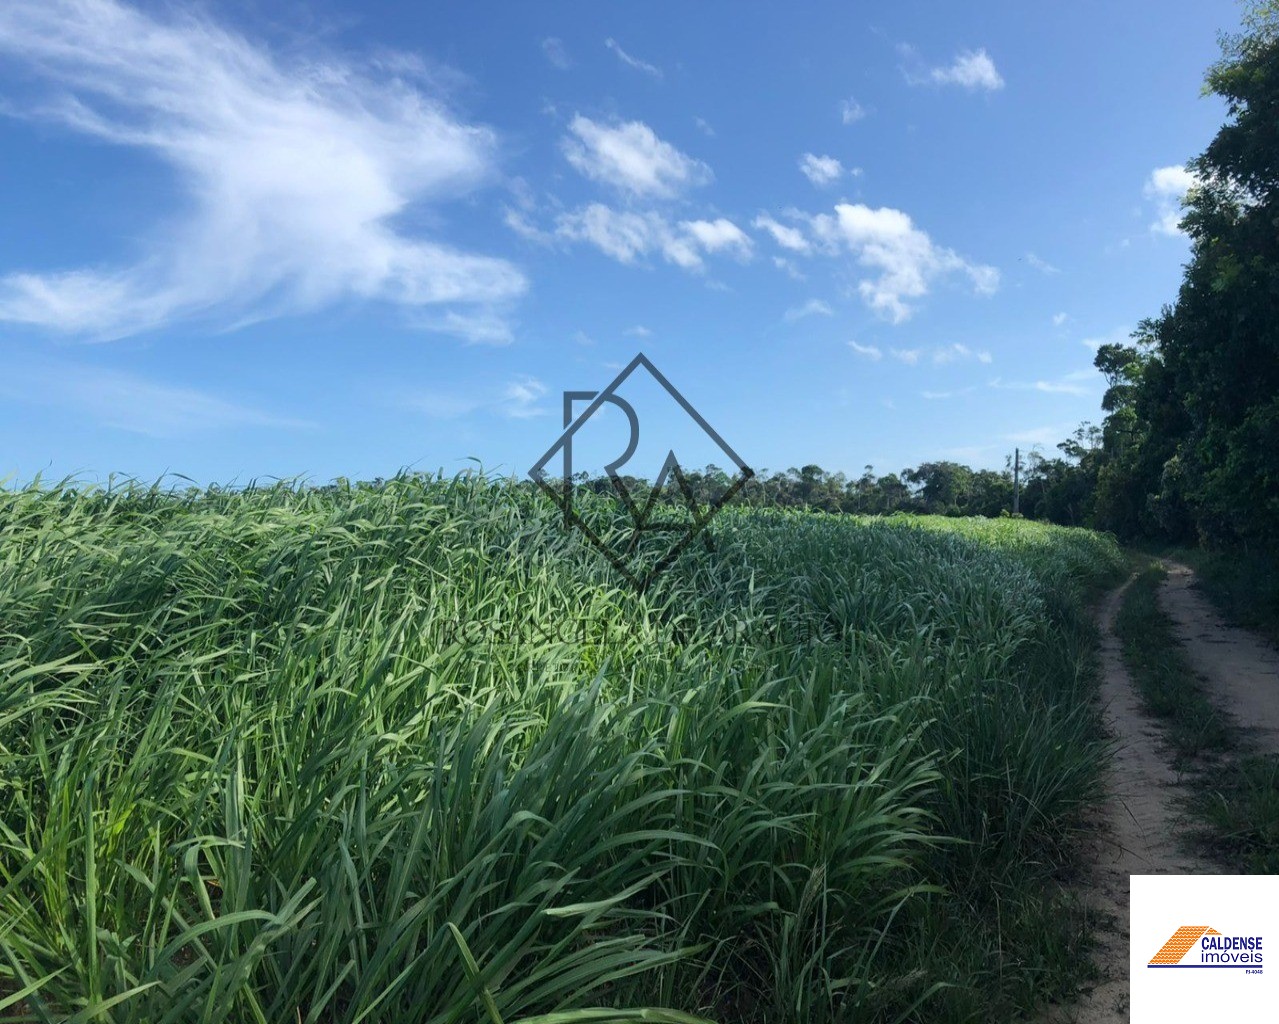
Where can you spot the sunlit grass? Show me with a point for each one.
(293, 754)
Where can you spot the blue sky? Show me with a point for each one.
(250, 239)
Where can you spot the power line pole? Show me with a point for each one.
(1016, 481)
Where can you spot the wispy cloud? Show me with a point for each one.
(1166, 188)
(813, 307)
(131, 402)
(788, 268)
(850, 111)
(787, 237)
(971, 70)
(956, 352)
(484, 327)
(631, 158)
(934, 396)
(629, 236)
(520, 398)
(942, 355)
(1078, 382)
(871, 352)
(633, 62)
(1042, 265)
(1059, 319)
(300, 169)
(555, 52)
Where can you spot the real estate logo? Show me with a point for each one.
(648, 515)
(1199, 945)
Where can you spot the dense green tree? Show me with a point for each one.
(1210, 400)
(943, 487)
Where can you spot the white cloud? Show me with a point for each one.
(956, 352)
(622, 235)
(631, 158)
(909, 356)
(519, 399)
(820, 170)
(519, 222)
(1042, 265)
(633, 62)
(813, 307)
(906, 259)
(1078, 382)
(638, 331)
(871, 352)
(482, 328)
(297, 169)
(937, 395)
(971, 69)
(1059, 319)
(850, 111)
(787, 237)
(718, 235)
(127, 401)
(704, 127)
(788, 268)
(628, 236)
(555, 52)
(1167, 187)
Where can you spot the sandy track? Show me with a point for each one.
(1136, 834)
(1240, 669)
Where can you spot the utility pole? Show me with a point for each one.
(1016, 481)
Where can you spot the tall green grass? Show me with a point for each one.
(415, 753)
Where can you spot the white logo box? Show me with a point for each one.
(1228, 972)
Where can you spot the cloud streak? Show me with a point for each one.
(652, 70)
(813, 307)
(629, 236)
(137, 404)
(519, 399)
(293, 173)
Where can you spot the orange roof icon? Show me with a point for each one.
(1179, 945)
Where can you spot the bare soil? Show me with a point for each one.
(1140, 824)
(1137, 831)
(1240, 670)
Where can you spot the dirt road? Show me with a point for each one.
(1137, 834)
(1141, 819)
(1240, 670)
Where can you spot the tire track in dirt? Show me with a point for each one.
(1240, 670)
(1137, 831)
